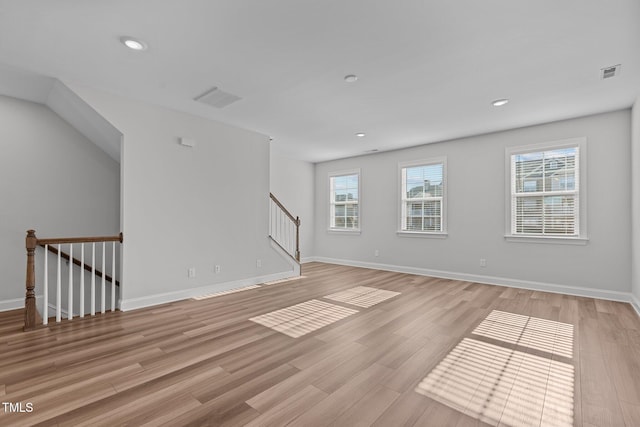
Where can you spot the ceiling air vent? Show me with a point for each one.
(217, 98)
(608, 72)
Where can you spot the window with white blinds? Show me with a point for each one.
(422, 205)
(344, 200)
(546, 190)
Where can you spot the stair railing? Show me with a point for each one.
(284, 228)
(55, 246)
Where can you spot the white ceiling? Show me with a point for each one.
(427, 70)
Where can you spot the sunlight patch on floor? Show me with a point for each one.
(532, 332)
(362, 296)
(501, 386)
(303, 318)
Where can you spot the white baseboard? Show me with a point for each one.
(307, 259)
(635, 303)
(11, 304)
(17, 303)
(150, 300)
(491, 280)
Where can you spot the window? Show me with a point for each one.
(546, 190)
(344, 201)
(422, 208)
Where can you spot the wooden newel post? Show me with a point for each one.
(30, 298)
(298, 238)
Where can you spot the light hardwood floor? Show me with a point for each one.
(205, 363)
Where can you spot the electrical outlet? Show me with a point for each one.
(483, 262)
(217, 269)
(376, 253)
(258, 263)
(191, 273)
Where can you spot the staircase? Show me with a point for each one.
(92, 251)
(284, 228)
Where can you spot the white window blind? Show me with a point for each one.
(344, 201)
(422, 204)
(545, 189)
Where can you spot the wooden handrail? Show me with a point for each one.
(296, 220)
(77, 262)
(63, 240)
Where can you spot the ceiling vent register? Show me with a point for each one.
(612, 71)
(217, 98)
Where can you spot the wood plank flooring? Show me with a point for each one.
(197, 363)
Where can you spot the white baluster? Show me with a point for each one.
(93, 279)
(45, 306)
(82, 280)
(102, 302)
(58, 292)
(70, 303)
(113, 277)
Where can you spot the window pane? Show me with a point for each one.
(423, 189)
(424, 181)
(559, 212)
(546, 171)
(431, 224)
(340, 196)
(339, 182)
(414, 223)
(344, 192)
(432, 208)
(352, 182)
(529, 215)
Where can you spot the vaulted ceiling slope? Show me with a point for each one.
(427, 70)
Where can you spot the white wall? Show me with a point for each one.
(635, 198)
(188, 207)
(292, 182)
(476, 218)
(52, 179)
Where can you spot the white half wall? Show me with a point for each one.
(476, 212)
(187, 207)
(52, 179)
(292, 182)
(635, 200)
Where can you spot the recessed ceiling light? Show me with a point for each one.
(133, 44)
(350, 78)
(500, 102)
(361, 134)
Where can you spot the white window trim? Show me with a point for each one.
(353, 231)
(581, 238)
(429, 234)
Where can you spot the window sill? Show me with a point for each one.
(580, 241)
(343, 231)
(421, 234)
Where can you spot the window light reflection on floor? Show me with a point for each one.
(503, 386)
(300, 319)
(499, 384)
(532, 332)
(362, 296)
